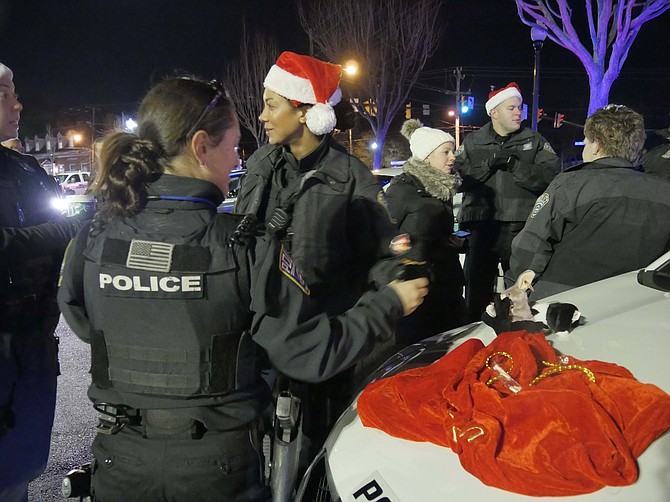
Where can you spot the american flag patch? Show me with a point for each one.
(290, 270)
(150, 255)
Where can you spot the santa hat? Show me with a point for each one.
(424, 140)
(4, 71)
(496, 97)
(310, 81)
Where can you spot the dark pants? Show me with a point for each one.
(489, 244)
(221, 465)
(28, 372)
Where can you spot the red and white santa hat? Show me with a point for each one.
(499, 95)
(310, 81)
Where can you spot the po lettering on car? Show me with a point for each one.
(374, 488)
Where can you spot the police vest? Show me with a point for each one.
(169, 319)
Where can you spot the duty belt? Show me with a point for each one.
(153, 423)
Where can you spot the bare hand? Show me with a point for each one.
(411, 293)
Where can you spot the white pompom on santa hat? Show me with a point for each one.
(310, 81)
(496, 97)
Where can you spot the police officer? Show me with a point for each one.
(32, 240)
(504, 167)
(323, 203)
(178, 302)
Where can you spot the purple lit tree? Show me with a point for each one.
(391, 40)
(612, 28)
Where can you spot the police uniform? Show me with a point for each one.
(594, 221)
(497, 202)
(175, 314)
(337, 227)
(32, 240)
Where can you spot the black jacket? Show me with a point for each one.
(657, 161)
(429, 221)
(505, 194)
(33, 237)
(212, 289)
(595, 220)
(340, 224)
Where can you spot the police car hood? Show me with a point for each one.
(624, 323)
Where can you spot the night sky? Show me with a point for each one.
(72, 53)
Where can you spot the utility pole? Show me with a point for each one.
(459, 76)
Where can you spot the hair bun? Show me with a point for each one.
(409, 127)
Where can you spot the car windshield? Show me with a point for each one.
(61, 177)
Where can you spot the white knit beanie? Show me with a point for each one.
(424, 140)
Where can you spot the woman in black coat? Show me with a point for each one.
(421, 202)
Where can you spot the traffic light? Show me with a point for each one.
(408, 110)
(471, 102)
(426, 110)
(558, 120)
(539, 114)
(464, 105)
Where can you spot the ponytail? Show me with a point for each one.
(126, 164)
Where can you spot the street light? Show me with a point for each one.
(538, 36)
(350, 69)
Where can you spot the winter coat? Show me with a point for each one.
(340, 224)
(595, 220)
(504, 194)
(420, 200)
(209, 289)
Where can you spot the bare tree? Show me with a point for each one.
(612, 28)
(391, 40)
(244, 80)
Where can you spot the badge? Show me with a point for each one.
(400, 244)
(527, 146)
(290, 270)
(541, 201)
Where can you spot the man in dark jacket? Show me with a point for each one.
(33, 237)
(504, 167)
(597, 219)
(657, 160)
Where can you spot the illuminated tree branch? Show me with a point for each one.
(612, 26)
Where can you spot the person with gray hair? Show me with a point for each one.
(597, 219)
(33, 237)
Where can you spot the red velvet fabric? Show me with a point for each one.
(564, 435)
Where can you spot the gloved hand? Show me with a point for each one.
(501, 160)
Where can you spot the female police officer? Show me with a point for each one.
(171, 299)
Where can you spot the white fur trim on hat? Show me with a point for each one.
(320, 119)
(424, 140)
(289, 86)
(5, 71)
(497, 97)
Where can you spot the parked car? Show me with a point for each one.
(627, 322)
(228, 204)
(75, 182)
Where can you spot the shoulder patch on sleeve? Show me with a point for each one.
(548, 147)
(541, 201)
(288, 267)
(400, 244)
(459, 150)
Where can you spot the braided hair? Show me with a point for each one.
(167, 117)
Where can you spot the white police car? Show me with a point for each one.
(73, 183)
(627, 322)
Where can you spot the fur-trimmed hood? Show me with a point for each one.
(438, 184)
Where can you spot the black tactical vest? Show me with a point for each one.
(169, 318)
